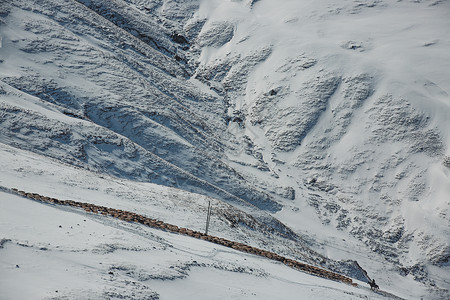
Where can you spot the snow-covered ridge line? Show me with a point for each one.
(134, 217)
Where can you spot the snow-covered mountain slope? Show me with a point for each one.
(153, 125)
(61, 252)
(326, 121)
(116, 260)
(348, 103)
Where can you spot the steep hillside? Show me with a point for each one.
(60, 252)
(118, 260)
(324, 123)
(348, 104)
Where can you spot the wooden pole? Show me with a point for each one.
(208, 214)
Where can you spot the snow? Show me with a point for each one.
(76, 258)
(330, 117)
(43, 257)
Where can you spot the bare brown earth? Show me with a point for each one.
(134, 217)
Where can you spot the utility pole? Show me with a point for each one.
(208, 215)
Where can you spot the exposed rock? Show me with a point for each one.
(217, 35)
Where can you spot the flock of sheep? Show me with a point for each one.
(134, 217)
